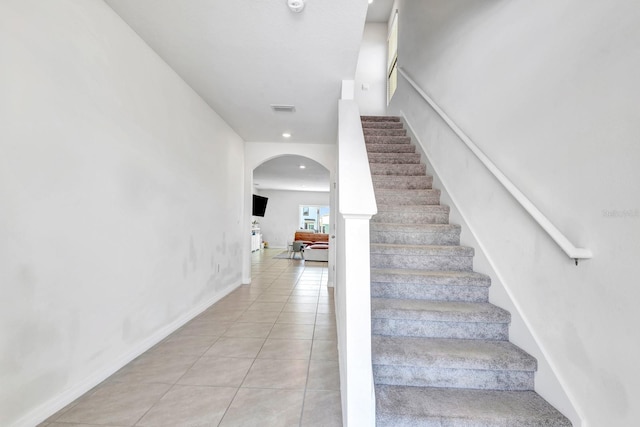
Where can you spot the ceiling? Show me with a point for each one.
(242, 56)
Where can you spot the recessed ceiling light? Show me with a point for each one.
(302, 166)
(286, 135)
(370, 1)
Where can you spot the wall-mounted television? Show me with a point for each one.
(259, 205)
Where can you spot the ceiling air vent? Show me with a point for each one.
(281, 108)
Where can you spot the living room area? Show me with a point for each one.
(297, 217)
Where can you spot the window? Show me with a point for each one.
(392, 57)
(314, 218)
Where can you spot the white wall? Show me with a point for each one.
(282, 219)
(121, 194)
(549, 92)
(370, 79)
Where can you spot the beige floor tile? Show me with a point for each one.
(324, 349)
(326, 319)
(217, 371)
(305, 292)
(300, 307)
(285, 349)
(259, 317)
(192, 345)
(115, 403)
(275, 373)
(325, 332)
(292, 331)
(249, 330)
(235, 347)
(272, 298)
(277, 291)
(326, 308)
(261, 408)
(154, 368)
(297, 317)
(189, 406)
(203, 327)
(303, 299)
(307, 286)
(266, 306)
(74, 425)
(283, 285)
(322, 409)
(323, 375)
(223, 317)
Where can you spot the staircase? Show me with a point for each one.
(441, 355)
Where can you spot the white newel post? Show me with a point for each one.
(356, 206)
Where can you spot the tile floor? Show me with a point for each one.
(265, 355)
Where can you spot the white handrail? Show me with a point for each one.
(552, 230)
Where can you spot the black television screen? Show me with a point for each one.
(259, 205)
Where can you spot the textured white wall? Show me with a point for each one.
(121, 195)
(549, 92)
(371, 71)
(281, 219)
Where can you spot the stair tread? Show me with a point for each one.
(426, 406)
(414, 228)
(457, 311)
(450, 353)
(413, 208)
(440, 250)
(460, 278)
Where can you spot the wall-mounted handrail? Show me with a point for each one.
(557, 236)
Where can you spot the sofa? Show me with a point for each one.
(316, 245)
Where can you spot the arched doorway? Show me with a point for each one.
(321, 157)
(290, 182)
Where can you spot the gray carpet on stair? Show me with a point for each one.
(440, 351)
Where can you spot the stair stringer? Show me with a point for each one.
(547, 383)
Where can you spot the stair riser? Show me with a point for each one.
(394, 158)
(434, 329)
(402, 170)
(369, 119)
(429, 292)
(422, 262)
(453, 378)
(412, 217)
(402, 198)
(402, 182)
(384, 132)
(415, 238)
(374, 139)
(391, 148)
(382, 125)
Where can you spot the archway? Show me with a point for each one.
(256, 154)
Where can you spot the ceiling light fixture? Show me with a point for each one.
(370, 1)
(295, 5)
(286, 135)
(302, 166)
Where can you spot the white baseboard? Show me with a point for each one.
(55, 404)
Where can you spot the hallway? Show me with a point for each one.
(265, 355)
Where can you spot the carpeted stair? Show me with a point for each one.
(440, 350)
